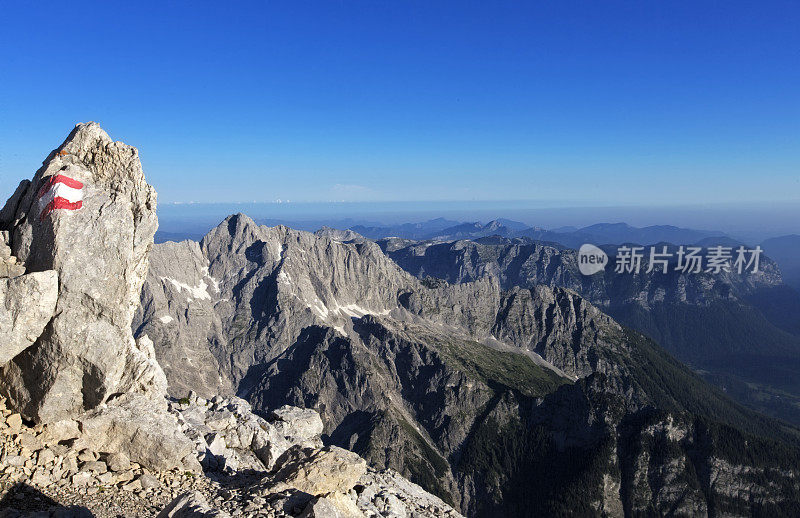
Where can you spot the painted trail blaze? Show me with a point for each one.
(59, 192)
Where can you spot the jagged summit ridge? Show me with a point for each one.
(88, 214)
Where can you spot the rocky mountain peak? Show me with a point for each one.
(89, 214)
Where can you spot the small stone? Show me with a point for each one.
(95, 466)
(41, 477)
(14, 422)
(62, 430)
(125, 476)
(132, 486)
(149, 481)
(46, 456)
(106, 478)
(118, 462)
(70, 464)
(87, 456)
(30, 442)
(15, 460)
(81, 479)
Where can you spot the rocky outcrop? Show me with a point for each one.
(83, 228)
(27, 304)
(228, 437)
(129, 424)
(88, 214)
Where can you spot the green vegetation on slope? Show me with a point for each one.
(514, 371)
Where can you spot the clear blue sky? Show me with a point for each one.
(589, 102)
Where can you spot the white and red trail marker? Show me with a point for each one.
(59, 192)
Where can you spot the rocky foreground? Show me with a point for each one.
(87, 428)
(54, 470)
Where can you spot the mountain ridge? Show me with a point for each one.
(390, 360)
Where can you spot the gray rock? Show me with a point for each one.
(100, 252)
(331, 469)
(14, 422)
(148, 481)
(142, 372)
(46, 456)
(146, 433)
(216, 444)
(298, 424)
(334, 505)
(191, 504)
(9, 211)
(118, 462)
(27, 304)
(14, 460)
(95, 466)
(62, 430)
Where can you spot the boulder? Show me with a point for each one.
(297, 424)
(58, 431)
(132, 424)
(118, 462)
(88, 214)
(142, 373)
(191, 504)
(27, 304)
(334, 505)
(330, 469)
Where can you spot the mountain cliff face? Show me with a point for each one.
(498, 398)
(740, 329)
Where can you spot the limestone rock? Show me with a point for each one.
(27, 304)
(191, 504)
(58, 431)
(300, 424)
(142, 372)
(334, 505)
(97, 239)
(328, 470)
(118, 462)
(14, 422)
(133, 425)
(387, 493)
(228, 436)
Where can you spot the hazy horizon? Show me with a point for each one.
(747, 222)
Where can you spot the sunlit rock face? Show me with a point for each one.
(88, 214)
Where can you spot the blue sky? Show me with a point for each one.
(577, 102)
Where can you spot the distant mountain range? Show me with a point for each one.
(743, 331)
(599, 234)
(491, 376)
